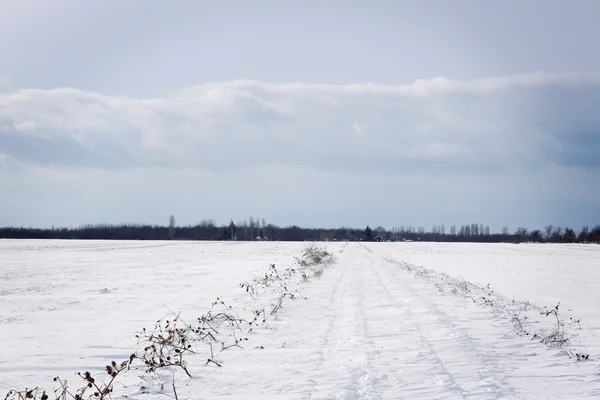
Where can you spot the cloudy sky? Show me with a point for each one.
(316, 113)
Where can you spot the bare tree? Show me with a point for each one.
(583, 234)
(548, 230)
(569, 236)
(232, 231)
(251, 228)
(171, 227)
(536, 236)
(557, 236)
(207, 223)
(522, 233)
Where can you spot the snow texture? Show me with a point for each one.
(383, 321)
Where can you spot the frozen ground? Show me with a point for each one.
(375, 325)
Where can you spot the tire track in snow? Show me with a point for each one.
(489, 371)
(364, 381)
(478, 371)
(409, 356)
(317, 382)
(345, 371)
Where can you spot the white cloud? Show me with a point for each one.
(25, 126)
(491, 121)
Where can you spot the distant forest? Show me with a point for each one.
(258, 230)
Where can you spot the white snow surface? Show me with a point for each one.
(384, 321)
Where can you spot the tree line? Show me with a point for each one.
(257, 229)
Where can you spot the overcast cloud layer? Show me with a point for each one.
(492, 147)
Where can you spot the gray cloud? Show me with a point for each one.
(509, 150)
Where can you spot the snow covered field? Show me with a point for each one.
(385, 321)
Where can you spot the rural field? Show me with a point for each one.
(282, 320)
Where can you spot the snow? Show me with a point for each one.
(384, 321)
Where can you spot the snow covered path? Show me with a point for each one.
(371, 327)
(371, 330)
